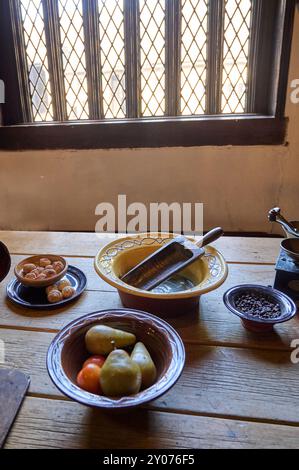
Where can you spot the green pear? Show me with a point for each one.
(120, 376)
(141, 356)
(101, 339)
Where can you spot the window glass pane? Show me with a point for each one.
(113, 57)
(235, 55)
(74, 61)
(152, 43)
(193, 68)
(194, 56)
(37, 61)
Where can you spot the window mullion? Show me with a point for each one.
(173, 57)
(52, 29)
(93, 65)
(22, 69)
(253, 62)
(132, 58)
(215, 56)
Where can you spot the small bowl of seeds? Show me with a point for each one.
(259, 307)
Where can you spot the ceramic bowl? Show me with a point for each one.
(287, 306)
(40, 283)
(119, 256)
(68, 352)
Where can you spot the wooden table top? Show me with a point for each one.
(238, 389)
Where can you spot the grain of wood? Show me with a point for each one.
(235, 249)
(216, 380)
(58, 424)
(258, 383)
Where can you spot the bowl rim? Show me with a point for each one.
(45, 282)
(194, 292)
(268, 290)
(71, 390)
(284, 246)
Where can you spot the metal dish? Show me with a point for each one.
(67, 353)
(287, 306)
(203, 276)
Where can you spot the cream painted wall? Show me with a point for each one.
(59, 190)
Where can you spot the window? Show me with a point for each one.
(154, 65)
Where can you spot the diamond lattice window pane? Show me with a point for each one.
(113, 57)
(152, 44)
(235, 55)
(194, 56)
(37, 60)
(74, 61)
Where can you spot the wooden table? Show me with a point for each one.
(238, 389)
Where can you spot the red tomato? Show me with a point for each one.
(97, 360)
(89, 378)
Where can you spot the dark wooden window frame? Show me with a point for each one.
(266, 126)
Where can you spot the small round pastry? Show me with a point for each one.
(44, 262)
(49, 272)
(37, 271)
(50, 266)
(41, 277)
(58, 266)
(55, 296)
(51, 288)
(31, 276)
(68, 292)
(64, 283)
(27, 268)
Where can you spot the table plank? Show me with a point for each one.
(216, 380)
(213, 325)
(235, 249)
(238, 274)
(59, 424)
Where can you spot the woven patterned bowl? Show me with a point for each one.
(119, 256)
(67, 354)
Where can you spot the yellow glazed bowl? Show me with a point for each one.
(119, 256)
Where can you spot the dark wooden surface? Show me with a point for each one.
(134, 133)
